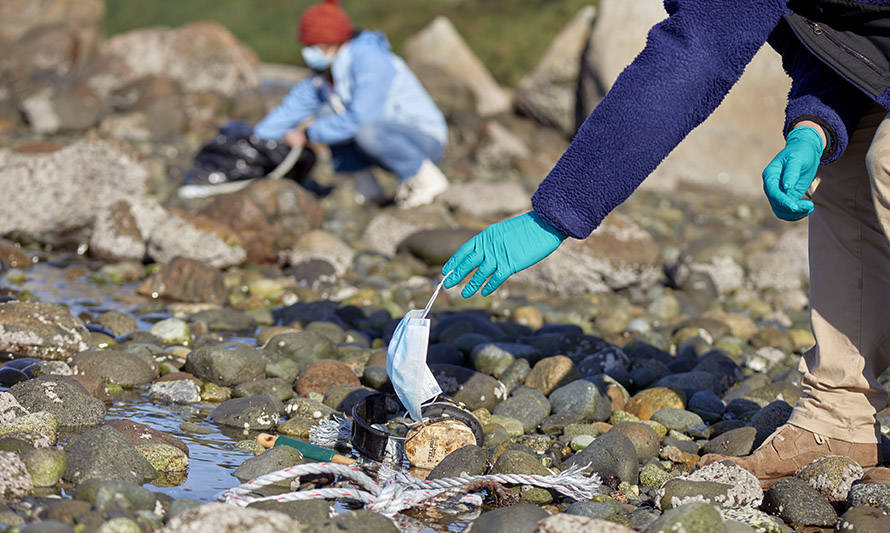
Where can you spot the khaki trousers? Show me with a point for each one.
(849, 289)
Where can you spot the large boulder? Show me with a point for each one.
(104, 453)
(43, 330)
(482, 200)
(390, 227)
(617, 255)
(549, 92)
(752, 115)
(202, 56)
(440, 45)
(130, 229)
(269, 216)
(62, 191)
(85, 18)
(61, 396)
(785, 266)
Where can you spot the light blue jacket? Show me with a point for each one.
(373, 84)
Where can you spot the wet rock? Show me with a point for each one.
(832, 476)
(797, 503)
(229, 519)
(186, 280)
(14, 256)
(180, 391)
(678, 491)
(471, 388)
(140, 434)
(62, 191)
(304, 347)
(611, 454)
(733, 443)
(518, 462)
(466, 461)
(581, 398)
(495, 357)
(172, 331)
(676, 419)
(552, 373)
(164, 458)
(45, 465)
(505, 198)
(344, 397)
(42, 330)
(870, 494)
(104, 453)
(252, 412)
(618, 254)
(275, 387)
(65, 399)
(322, 375)
(646, 402)
(697, 517)
(440, 45)
(15, 481)
(597, 510)
(520, 518)
(41, 429)
(119, 323)
(607, 358)
(114, 366)
(643, 437)
(865, 519)
(224, 319)
(306, 408)
(307, 513)
(271, 460)
(227, 364)
(548, 94)
(269, 216)
(357, 521)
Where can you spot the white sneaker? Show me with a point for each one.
(423, 187)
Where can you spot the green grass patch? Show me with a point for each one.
(510, 36)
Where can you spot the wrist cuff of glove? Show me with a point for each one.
(830, 136)
(546, 226)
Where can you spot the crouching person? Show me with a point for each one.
(364, 102)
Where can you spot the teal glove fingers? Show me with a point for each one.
(789, 175)
(500, 251)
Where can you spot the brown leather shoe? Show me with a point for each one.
(790, 448)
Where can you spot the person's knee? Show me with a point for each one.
(368, 138)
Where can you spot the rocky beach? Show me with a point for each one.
(145, 340)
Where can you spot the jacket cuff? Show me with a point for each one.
(831, 144)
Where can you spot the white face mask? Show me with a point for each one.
(316, 59)
(406, 365)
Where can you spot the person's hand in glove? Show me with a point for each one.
(789, 175)
(500, 251)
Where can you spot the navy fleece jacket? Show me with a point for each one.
(690, 62)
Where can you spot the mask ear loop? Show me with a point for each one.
(429, 304)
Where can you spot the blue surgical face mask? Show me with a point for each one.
(316, 59)
(406, 360)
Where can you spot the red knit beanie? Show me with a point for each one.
(325, 23)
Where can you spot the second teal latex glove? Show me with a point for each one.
(500, 251)
(789, 175)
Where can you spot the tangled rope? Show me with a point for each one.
(399, 491)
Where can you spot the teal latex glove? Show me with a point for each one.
(500, 251)
(789, 175)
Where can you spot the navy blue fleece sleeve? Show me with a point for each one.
(818, 94)
(691, 60)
